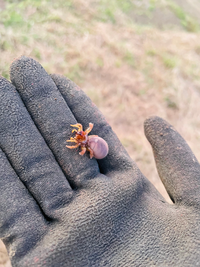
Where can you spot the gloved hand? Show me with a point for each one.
(58, 208)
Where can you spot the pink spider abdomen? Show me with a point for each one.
(98, 146)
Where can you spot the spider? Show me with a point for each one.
(96, 145)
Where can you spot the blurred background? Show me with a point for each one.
(134, 58)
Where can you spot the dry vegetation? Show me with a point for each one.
(130, 71)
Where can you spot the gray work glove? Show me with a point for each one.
(58, 208)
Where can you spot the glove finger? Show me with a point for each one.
(28, 153)
(85, 111)
(52, 117)
(22, 223)
(177, 166)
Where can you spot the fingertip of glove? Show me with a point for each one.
(152, 122)
(2, 79)
(22, 63)
(18, 62)
(4, 82)
(16, 66)
(64, 84)
(58, 78)
(155, 127)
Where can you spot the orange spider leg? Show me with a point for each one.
(89, 129)
(71, 147)
(83, 150)
(77, 125)
(72, 139)
(91, 152)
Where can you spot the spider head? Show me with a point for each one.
(80, 133)
(81, 136)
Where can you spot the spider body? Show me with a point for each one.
(96, 145)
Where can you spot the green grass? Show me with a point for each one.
(170, 62)
(189, 23)
(129, 59)
(171, 103)
(99, 62)
(75, 73)
(35, 28)
(109, 10)
(151, 52)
